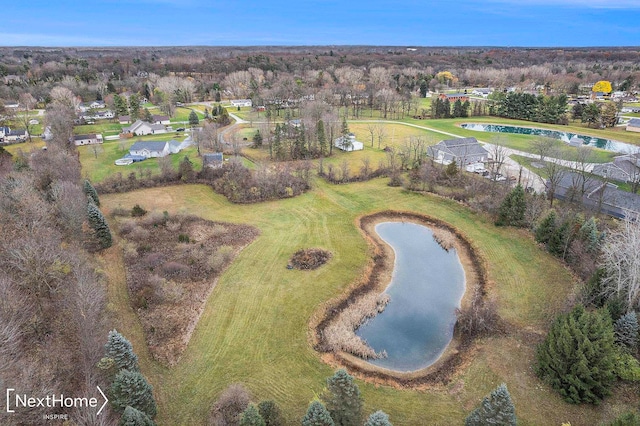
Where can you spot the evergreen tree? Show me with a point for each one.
(343, 399)
(322, 138)
(495, 409)
(626, 331)
(457, 108)
(133, 417)
(99, 225)
(257, 139)
(134, 106)
(589, 234)
(577, 358)
(119, 349)
(379, 418)
(513, 208)
(147, 92)
(130, 388)
(186, 169)
(251, 417)
(424, 88)
(345, 127)
(317, 415)
(148, 117)
(91, 192)
(546, 228)
(270, 413)
(193, 118)
(120, 105)
(560, 240)
(465, 109)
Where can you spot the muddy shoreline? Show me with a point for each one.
(376, 278)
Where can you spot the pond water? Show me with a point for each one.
(606, 144)
(426, 288)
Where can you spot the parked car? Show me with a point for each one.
(180, 129)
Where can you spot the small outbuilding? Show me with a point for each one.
(348, 143)
(633, 125)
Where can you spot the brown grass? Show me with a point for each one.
(172, 265)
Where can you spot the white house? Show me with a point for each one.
(241, 102)
(16, 136)
(150, 149)
(90, 139)
(348, 143)
(141, 128)
(484, 92)
(463, 151)
(161, 119)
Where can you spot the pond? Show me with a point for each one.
(606, 144)
(426, 288)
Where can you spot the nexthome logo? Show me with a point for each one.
(16, 401)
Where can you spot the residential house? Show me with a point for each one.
(4, 130)
(484, 92)
(633, 125)
(348, 143)
(124, 119)
(97, 104)
(463, 151)
(599, 196)
(624, 168)
(452, 97)
(90, 139)
(213, 160)
(161, 119)
(241, 102)
(16, 136)
(631, 109)
(150, 149)
(141, 128)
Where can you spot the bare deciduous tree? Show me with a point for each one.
(621, 261)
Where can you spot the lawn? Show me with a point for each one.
(255, 327)
(98, 160)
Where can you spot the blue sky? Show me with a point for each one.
(321, 22)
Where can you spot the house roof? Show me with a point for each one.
(156, 126)
(81, 137)
(212, 157)
(455, 95)
(461, 147)
(153, 146)
(160, 117)
(20, 132)
(634, 122)
(124, 118)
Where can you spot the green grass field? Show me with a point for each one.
(98, 160)
(255, 326)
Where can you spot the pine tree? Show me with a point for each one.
(379, 418)
(495, 409)
(134, 106)
(133, 417)
(322, 139)
(546, 228)
(317, 415)
(577, 358)
(343, 399)
(270, 413)
(99, 224)
(560, 239)
(148, 117)
(257, 139)
(626, 331)
(120, 350)
(130, 388)
(345, 127)
(91, 192)
(193, 118)
(251, 417)
(513, 208)
(589, 234)
(186, 169)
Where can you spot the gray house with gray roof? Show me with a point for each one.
(462, 150)
(150, 149)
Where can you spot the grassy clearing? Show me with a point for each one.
(96, 166)
(255, 325)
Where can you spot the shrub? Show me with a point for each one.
(270, 413)
(138, 211)
(317, 415)
(379, 418)
(626, 331)
(183, 238)
(251, 417)
(230, 405)
(626, 419)
(175, 269)
(220, 258)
